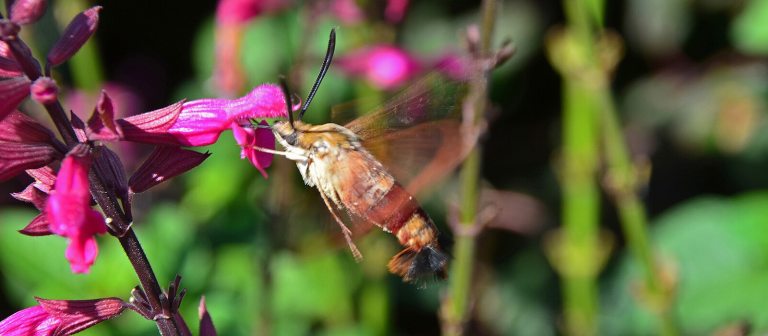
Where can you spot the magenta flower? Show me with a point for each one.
(384, 66)
(60, 317)
(201, 122)
(347, 11)
(395, 11)
(70, 214)
(247, 138)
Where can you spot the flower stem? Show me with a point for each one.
(457, 306)
(105, 198)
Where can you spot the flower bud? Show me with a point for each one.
(75, 35)
(44, 90)
(27, 11)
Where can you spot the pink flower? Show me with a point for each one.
(395, 11)
(60, 317)
(201, 122)
(70, 214)
(384, 66)
(347, 11)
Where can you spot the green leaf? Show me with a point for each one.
(749, 31)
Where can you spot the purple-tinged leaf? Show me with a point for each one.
(78, 315)
(75, 35)
(27, 11)
(44, 177)
(206, 323)
(18, 157)
(102, 125)
(164, 163)
(33, 195)
(152, 127)
(44, 90)
(38, 226)
(18, 127)
(12, 93)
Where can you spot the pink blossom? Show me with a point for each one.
(248, 137)
(70, 214)
(60, 317)
(395, 11)
(347, 11)
(384, 66)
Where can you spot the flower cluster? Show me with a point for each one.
(73, 175)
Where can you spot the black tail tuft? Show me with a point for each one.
(416, 266)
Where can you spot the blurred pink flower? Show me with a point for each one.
(395, 11)
(347, 11)
(231, 17)
(70, 214)
(384, 66)
(453, 65)
(60, 317)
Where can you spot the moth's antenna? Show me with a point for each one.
(288, 100)
(323, 70)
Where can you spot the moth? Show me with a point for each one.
(341, 162)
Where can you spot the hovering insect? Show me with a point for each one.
(338, 161)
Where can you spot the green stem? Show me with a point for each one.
(456, 311)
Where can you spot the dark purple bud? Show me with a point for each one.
(75, 35)
(27, 11)
(18, 127)
(33, 195)
(206, 323)
(44, 177)
(164, 163)
(8, 30)
(12, 93)
(44, 90)
(78, 315)
(102, 125)
(152, 127)
(37, 227)
(112, 172)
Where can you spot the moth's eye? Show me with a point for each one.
(291, 138)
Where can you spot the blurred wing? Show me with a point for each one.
(422, 155)
(433, 97)
(416, 135)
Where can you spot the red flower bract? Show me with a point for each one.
(70, 214)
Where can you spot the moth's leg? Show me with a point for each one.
(344, 229)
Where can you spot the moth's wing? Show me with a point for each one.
(434, 97)
(422, 155)
(417, 134)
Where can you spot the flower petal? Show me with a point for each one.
(247, 138)
(152, 127)
(18, 157)
(38, 226)
(164, 163)
(18, 127)
(32, 321)
(102, 125)
(81, 253)
(12, 93)
(78, 315)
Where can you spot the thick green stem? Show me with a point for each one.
(456, 310)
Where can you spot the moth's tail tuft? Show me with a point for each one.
(412, 265)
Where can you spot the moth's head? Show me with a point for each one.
(286, 131)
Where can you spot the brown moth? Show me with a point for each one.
(338, 161)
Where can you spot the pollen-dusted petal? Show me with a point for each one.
(75, 35)
(248, 138)
(27, 11)
(78, 315)
(18, 157)
(164, 163)
(44, 90)
(152, 127)
(264, 101)
(102, 125)
(38, 226)
(32, 321)
(12, 93)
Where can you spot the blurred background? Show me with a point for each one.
(688, 83)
